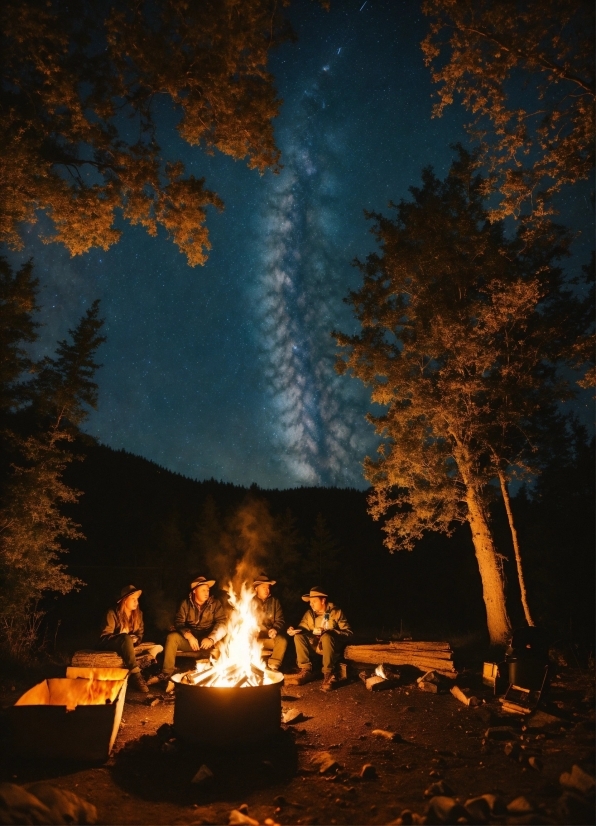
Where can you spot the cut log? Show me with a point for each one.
(426, 660)
(421, 646)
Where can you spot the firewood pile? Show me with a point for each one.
(110, 659)
(427, 656)
(234, 676)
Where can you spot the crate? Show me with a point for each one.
(76, 717)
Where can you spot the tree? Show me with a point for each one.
(18, 304)
(454, 315)
(81, 86)
(323, 556)
(32, 524)
(526, 72)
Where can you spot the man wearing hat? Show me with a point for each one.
(200, 624)
(123, 629)
(323, 630)
(271, 621)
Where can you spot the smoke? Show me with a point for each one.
(245, 546)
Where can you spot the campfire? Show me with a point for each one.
(233, 698)
(239, 663)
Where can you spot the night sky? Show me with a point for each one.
(226, 370)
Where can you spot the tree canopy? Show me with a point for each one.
(78, 125)
(526, 73)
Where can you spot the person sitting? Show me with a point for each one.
(271, 621)
(200, 625)
(123, 630)
(323, 630)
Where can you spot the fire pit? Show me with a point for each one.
(228, 716)
(234, 699)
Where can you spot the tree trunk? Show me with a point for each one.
(499, 627)
(518, 562)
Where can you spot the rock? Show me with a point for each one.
(388, 735)
(430, 688)
(292, 715)
(64, 806)
(368, 772)
(442, 809)
(500, 733)
(324, 762)
(535, 763)
(203, 775)
(17, 805)
(486, 805)
(572, 808)
(243, 808)
(520, 806)
(512, 750)
(577, 780)
(376, 683)
(155, 702)
(238, 818)
(540, 719)
(478, 809)
(439, 789)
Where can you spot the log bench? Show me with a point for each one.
(91, 658)
(426, 656)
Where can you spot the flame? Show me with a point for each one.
(240, 663)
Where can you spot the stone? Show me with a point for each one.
(443, 809)
(535, 763)
(479, 809)
(203, 775)
(500, 733)
(577, 781)
(439, 789)
(64, 806)
(324, 762)
(573, 808)
(540, 719)
(520, 806)
(368, 772)
(388, 735)
(512, 750)
(238, 818)
(292, 715)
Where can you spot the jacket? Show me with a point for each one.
(208, 622)
(112, 627)
(269, 614)
(336, 622)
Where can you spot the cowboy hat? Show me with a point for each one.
(315, 591)
(263, 579)
(127, 591)
(200, 580)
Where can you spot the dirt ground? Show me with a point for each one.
(148, 778)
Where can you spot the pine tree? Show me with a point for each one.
(460, 342)
(322, 562)
(32, 525)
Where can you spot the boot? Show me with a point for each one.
(305, 675)
(160, 678)
(137, 682)
(328, 682)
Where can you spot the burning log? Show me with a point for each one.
(427, 656)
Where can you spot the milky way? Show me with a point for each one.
(315, 428)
